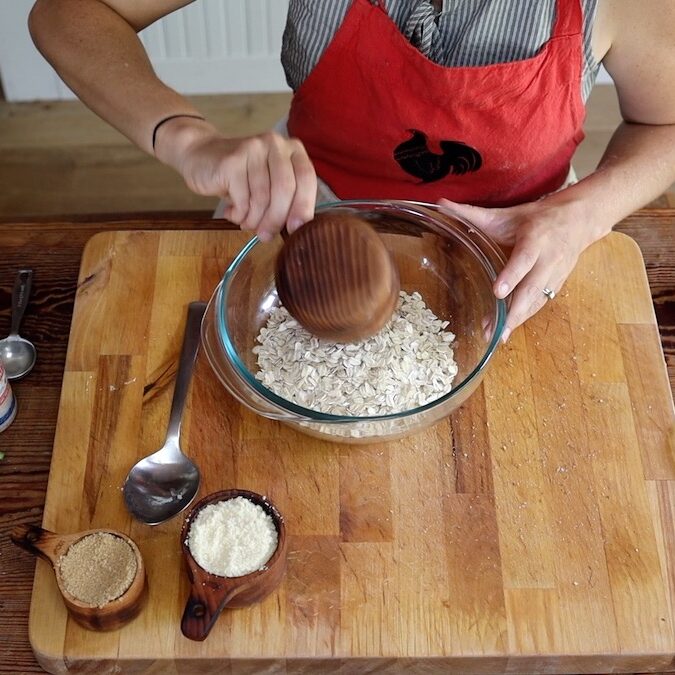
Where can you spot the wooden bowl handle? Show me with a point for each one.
(38, 541)
(203, 607)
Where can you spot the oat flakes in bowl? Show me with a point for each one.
(418, 369)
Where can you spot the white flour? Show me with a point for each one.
(232, 538)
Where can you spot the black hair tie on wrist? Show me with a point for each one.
(166, 119)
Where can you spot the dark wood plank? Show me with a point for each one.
(654, 231)
(53, 249)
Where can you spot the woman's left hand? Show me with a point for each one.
(546, 238)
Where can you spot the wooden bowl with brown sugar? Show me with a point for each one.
(211, 593)
(100, 573)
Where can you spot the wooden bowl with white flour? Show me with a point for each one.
(234, 547)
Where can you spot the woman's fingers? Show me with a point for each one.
(476, 215)
(529, 296)
(282, 188)
(500, 224)
(292, 187)
(530, 269)
(304, 199)
(524, 257)
(235, 186)
(258, 177)
(527, 300)
(268, 180)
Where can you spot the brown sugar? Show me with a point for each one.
(98, 568)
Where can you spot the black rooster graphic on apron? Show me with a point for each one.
(415, 158)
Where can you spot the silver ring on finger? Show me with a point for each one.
(548, 292)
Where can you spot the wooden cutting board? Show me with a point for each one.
(530, 532)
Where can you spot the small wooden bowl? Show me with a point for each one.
(52, 547)
(211, 593)
(337, 278)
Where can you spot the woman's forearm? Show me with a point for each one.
(637, 167)
(99, 56)
(269, 181)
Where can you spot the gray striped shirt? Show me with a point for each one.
(463, 33)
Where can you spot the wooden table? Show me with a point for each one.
(53, 250)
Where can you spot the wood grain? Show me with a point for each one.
(54, 249)
(424, 571)
(336, 278)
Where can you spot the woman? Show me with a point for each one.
(476, 104)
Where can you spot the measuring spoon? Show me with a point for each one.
(18, 354)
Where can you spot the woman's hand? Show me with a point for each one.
(268, 181)
(546, 238)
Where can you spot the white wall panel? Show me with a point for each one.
(25, 74)
(216, 46)
(210, 46)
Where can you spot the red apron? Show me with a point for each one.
(380, 120)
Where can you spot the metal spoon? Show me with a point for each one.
(161, 485)
(18, 354)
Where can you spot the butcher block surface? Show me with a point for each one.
(532, 531)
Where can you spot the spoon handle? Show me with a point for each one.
(186, 362)
(20, 296)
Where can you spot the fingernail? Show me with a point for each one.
(506, 334)
(503, 289)
(264, 236)
(293, 224)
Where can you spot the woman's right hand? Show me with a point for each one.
(268, 181)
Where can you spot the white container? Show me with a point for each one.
(7, 401)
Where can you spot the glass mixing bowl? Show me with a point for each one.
(449, 262)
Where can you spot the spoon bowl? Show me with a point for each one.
(161, 485)
(51, 547)
(18, 355)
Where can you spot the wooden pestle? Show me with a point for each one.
(337, 278)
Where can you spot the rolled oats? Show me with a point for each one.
(409, 363)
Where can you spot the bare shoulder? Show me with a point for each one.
(636, 43)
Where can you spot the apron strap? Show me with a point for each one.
(421, 30)
(569, 18)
